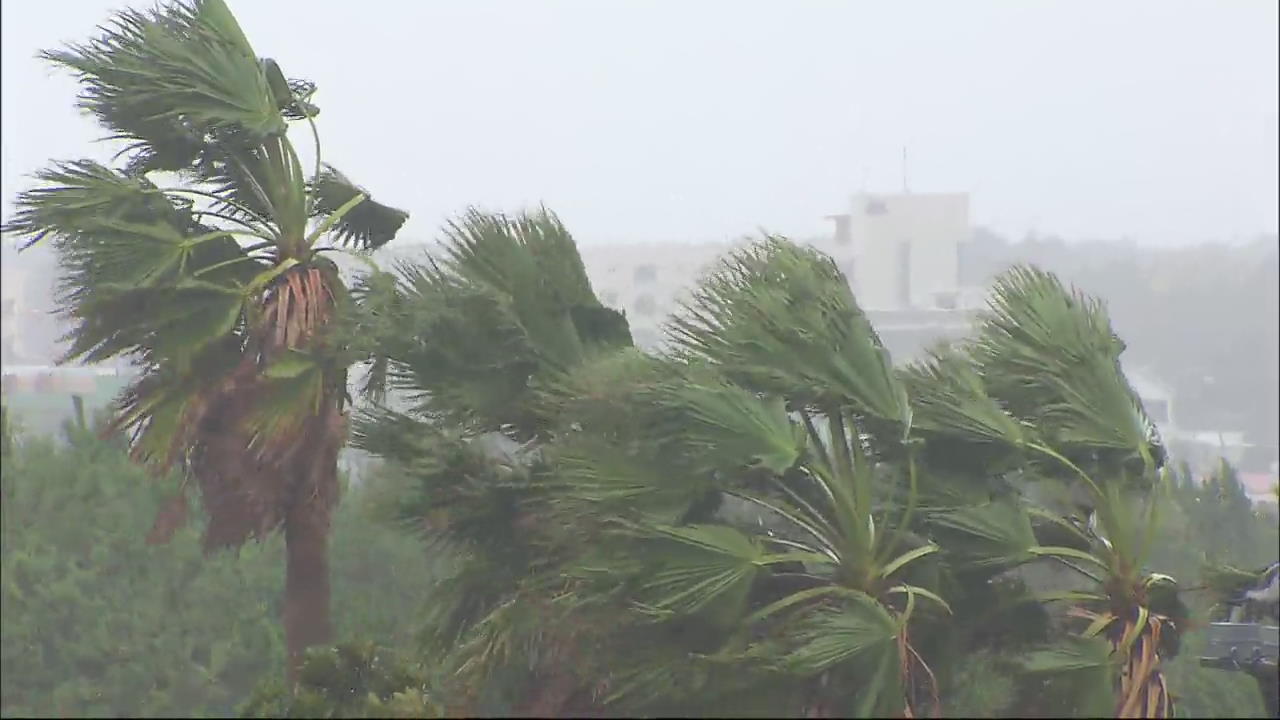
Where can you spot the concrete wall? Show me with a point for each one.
(647, 281)
(925, 229)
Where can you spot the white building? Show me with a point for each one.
(647, 281)
(901, 251)
(11, 312)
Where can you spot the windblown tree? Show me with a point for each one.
(462, 347)
(200, 256)
(1050, 358)
(781, 398)
(753, 523)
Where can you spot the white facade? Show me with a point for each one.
(11, 312)
(648, 281)
(901, 251)
(1157, 400)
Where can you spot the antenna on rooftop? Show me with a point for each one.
(905, 189)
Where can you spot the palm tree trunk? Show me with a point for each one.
(306, 539)
(1143, 692)
(306, 587)
(307, 524)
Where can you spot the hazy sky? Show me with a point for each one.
(701, 120)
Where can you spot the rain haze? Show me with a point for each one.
(667, 121)
(619, 358)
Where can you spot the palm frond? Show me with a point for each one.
(1080, 670)
(602, 478)
(137, 274)
(1051, 357)
(605, 392)
(75, 197)
(166, 78)
(465, 356)
(449, 488)
(780, 319)
(293, 389)
(951, 407)
(996, 535)
(859, 635)
(496, 324)
(161, 408)
(533, 261)
(368, 225)
(1073, 653)
(698, 567)
(724, 426)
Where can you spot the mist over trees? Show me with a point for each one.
(768, 515)
(1203, 319)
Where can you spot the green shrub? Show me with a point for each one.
(98, 623)
(356, 679)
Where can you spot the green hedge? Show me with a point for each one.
(97, 623)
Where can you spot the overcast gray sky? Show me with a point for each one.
(665, 120)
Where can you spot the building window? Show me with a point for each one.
(646, 274)
(876, 207)
(645, 305)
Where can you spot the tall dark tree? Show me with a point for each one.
(200, 256)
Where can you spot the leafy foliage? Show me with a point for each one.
(762, 502)
(773, 510)
(349, 680)
(99, 623)
(215, 288)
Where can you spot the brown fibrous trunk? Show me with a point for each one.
(1142, 689)
(253, 486)
(306, 588)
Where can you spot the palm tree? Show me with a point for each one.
(1051, 360)
(462, 347)
(780, 397)
(201, 258)
(649, 450)
(753, 522)
(764, 487)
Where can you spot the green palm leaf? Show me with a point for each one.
(780, 319)
(994, 535)
(493, 326)
(368, 225)
(608, 478)
(858, 634)
(533, 261)
(174, 73)
(1051, 358)
(698, 566)
(724, 426)
(949, 400)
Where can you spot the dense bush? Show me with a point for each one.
(1208, 522)
(355, 679)
(98, 623)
